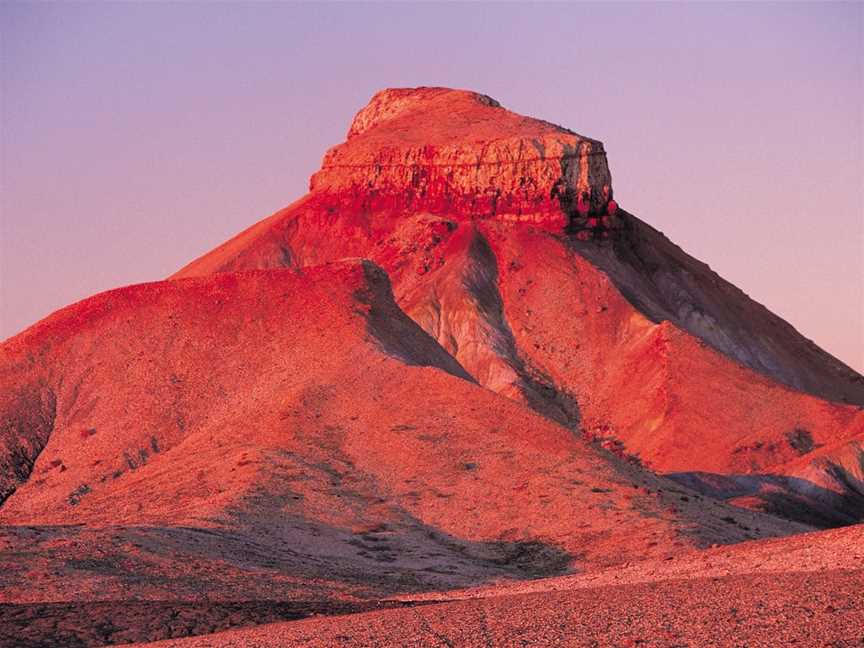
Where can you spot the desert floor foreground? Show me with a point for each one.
(797, 608)
(803, 590)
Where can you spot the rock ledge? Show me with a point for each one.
(460, 153)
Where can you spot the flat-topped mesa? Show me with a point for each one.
(460, 153)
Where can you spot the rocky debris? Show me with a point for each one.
(812, 609)
(92, 624)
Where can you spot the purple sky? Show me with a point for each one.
(136, 137)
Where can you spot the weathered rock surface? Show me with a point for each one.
(460, 153)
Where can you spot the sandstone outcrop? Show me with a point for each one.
(460, 153)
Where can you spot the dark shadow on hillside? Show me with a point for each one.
(665, 283)
(27, 417)
(791, 498)
(397, 334)
(541, 394)
(219, 576)
(272, 546)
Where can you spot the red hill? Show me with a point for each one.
(455, 363)
(585, 313)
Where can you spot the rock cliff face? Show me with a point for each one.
(455, 152)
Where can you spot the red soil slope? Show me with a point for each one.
(589, 316)
(292, 435)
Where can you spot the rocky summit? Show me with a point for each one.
(456, 394)
(460, 153)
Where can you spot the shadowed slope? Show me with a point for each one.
(665, 283)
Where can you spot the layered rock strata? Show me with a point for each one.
(461, 153)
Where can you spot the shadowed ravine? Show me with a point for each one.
(481, 282)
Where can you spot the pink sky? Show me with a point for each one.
(135, 137)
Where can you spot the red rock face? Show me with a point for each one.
(455, 152)
(456, 361)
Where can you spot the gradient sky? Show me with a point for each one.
(138, 136)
